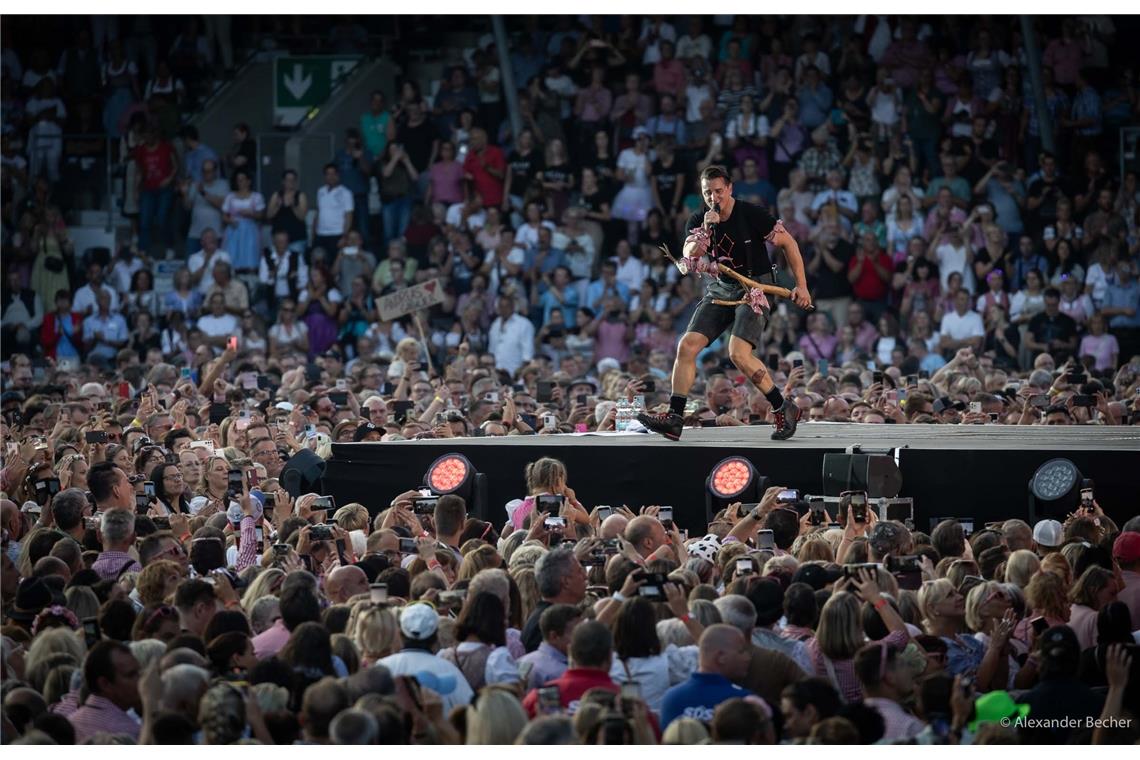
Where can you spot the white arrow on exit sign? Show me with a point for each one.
(299, 83)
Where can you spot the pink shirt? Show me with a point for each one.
(1100, 347)
(271, 641)
(100, 714)
(1082, 620)
(446, 181)
(611, 342)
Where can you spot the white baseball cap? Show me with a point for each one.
(419, 621)
(1047, 533)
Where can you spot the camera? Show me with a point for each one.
(665, 516)
(233, 484)
(281, 550)
(321, 532)
(745, 566)
(378, 593)
(95, 436)
(788, 495)
(452, 598)
(654, 587)
(425, 505)
(604, 512)
(611, 546)
(852, 571)
(765, 539)
(545, 392)
(549, 503)
(549, 700)
(407, 546)
(555, 524)
(816, 508)
(324, 502)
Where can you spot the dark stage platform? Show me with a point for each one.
(978, 471)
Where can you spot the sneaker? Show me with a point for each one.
(787, 416)
(666, 423)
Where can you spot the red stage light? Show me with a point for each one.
(448, 473)
(731, 477)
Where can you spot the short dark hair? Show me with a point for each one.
(331, 165)
(67, 508)
(450, 514)
(785, 526)
(591, 645)
(483, 616)
(716, 171)
(299, 604)
(738, 721)
(1051, 292)
(800, 606)
(817, 692)
(191, 592)
(102, 479)
(555, 619)
(948, 539)
(98, 663)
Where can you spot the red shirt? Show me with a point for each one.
(870, 286)
(155, 164)
(571, 686)
(488, 186)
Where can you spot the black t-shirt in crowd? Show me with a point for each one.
(1059, 327)
(829, 284)
(667, 178)
(741, 238)
(523, 170)
(417, 141)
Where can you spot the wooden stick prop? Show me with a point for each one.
(754, 297)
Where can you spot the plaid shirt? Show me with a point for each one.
(99, 714)
(111, 564)
(1057, 103)
(841, 673)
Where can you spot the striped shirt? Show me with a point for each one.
(99, 714)
(841, 673)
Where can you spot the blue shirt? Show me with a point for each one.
(815, 105)
(195, 158)
(569, 305)
(597, 292)
(698, 698)
(761, 188)
(1121, 296)
(543, 665)
(963, 655)
(350, 175)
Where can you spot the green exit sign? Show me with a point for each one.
(304, 82)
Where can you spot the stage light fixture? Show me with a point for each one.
(453, 473)
(732, 479)
(1054, 489)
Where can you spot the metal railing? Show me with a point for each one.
(84, 169)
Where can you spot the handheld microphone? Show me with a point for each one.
(716, 208)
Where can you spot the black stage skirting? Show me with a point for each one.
(978, 471)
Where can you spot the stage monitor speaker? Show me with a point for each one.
(877, 474)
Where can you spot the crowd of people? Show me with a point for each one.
(190, 594)
(170, 576)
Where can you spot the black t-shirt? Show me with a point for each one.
(741, 238)
(1046, 328)
(523, 170)
(666, 178)
(417, 142)
(829, 284)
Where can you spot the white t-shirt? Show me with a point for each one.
(85, 301)
(214, 327)
(285, 336)
(517, 256)
(332, 205)
(969, 325)
(950, 260)
(656, 674)
(199, 260)
(433, 673)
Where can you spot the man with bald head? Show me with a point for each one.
(344, 583)
(646, 534)
(724, 654)
(613, 526)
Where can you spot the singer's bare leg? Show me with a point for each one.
(685, 365)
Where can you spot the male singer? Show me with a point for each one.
(737, 231)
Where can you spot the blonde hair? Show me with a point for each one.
(151, 581)
(496, 717)
(1057, 563)
(483, 557)
(840, 630)
(930, 596)
(82, 601)
(377, 633)
(685, 731)
(526, 556)
(147, 651)
(528, 589)
(354, 517)
(262, 586)
(974, 601)
(1020, 567)
(813, 547)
